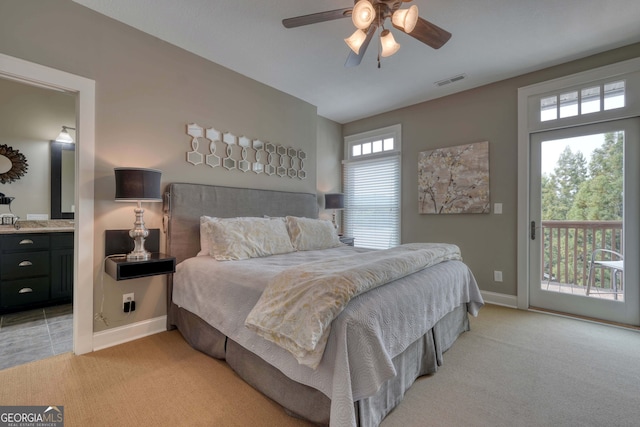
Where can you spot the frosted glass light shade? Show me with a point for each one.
(64, 136)
(389, 45)
(355, 41)
(363, 14)
(406, 18)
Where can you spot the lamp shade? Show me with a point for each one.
(406, 18)
(64, 136)
(135, 184)
(363, 14)
(389, 45)
(355, 41)
(334, 201)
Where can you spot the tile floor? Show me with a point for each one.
(35, 334)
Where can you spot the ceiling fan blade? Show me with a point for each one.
(354, 59)
(428, 33)
(314, 18)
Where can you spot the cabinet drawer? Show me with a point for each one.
(24, 242)
(14, 293)
(23, 265)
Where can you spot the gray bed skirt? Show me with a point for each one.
(420, 358)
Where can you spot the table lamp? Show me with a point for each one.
(138, 185)
(334, 201)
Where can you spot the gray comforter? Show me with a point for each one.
(375, 326)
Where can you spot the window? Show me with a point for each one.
(372, 188)
(584, 101)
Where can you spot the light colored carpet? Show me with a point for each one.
(514, 368)
(518, 368)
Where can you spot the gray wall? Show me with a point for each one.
(329, 156)
(488, 113)
(30, 117)
(147, 91)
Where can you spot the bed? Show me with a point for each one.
(377, 346)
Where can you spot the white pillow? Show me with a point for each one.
(309, 234)
(242, 238)
(204, 234)
(204, 231)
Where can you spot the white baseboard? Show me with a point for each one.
(500, 299)
(122, 334)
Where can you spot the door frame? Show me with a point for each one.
(84, 89)
(528, 123)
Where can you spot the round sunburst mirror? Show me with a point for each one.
(13, 164)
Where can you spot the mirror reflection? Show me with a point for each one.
(62, 180)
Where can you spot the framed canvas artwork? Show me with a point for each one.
(454, 180)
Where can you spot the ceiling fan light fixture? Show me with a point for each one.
(355, 41)
(389, 44)
(363, 14)
(406, 18)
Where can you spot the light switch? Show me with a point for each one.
(497, 208)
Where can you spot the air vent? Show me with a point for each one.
(450, 80)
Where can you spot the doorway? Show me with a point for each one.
(38, 75)
(584, 210)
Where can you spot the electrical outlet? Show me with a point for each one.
(497, 276)
(128, 302)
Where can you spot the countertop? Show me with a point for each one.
(44, 226)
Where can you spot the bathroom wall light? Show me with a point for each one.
(64, 136)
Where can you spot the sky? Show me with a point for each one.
(552, 149)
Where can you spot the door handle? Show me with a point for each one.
(533, 230)
(25, 264)
(25, 291)
(26, 242)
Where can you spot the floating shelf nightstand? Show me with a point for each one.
(121, 269)
(118, 267)
(347, 240)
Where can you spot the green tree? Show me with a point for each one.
(549, 194)
(562, 186)
(600, 197)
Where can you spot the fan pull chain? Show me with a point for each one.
(379, 46)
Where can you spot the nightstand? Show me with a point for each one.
(121, 269)
(347, 240)
(118, 267)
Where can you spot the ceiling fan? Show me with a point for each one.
(369, 16)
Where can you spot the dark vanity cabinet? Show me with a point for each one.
(61, 265)
(36, 269)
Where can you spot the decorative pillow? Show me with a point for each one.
(244, 238)
(204, 234)
(308, 234)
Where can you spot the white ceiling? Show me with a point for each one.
(492, 40)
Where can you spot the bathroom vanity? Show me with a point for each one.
(36, 264)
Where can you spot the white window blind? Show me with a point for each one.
(372, 201)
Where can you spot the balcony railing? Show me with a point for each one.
(567, 247)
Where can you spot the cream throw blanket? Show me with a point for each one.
(296, 309)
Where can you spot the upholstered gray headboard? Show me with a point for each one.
(186, 203)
